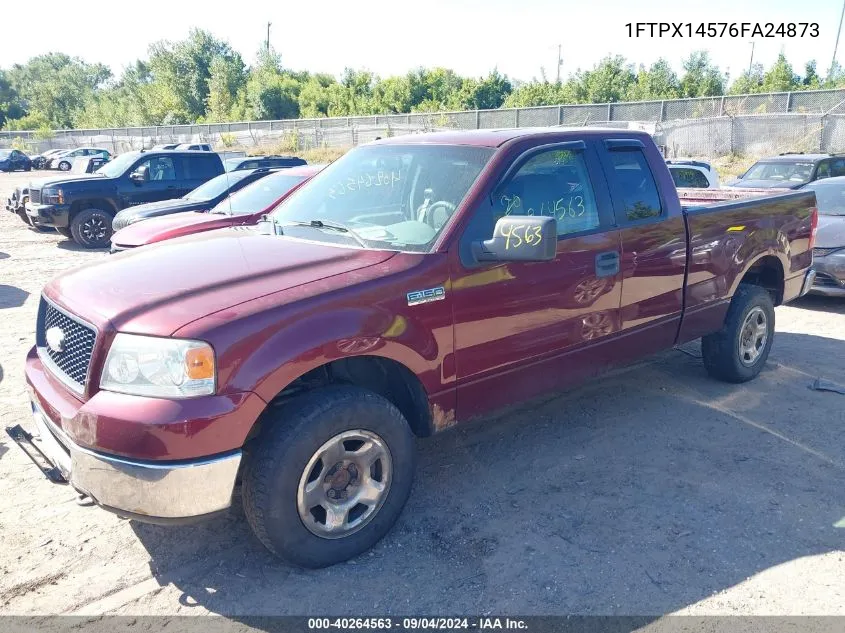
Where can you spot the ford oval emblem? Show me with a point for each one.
(55, 339)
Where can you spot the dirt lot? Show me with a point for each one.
(652, 490)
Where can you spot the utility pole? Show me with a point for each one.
(268, 36)
(560, 62)
(751, 61)
(838, 31)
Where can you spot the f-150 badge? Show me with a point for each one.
(426, 296)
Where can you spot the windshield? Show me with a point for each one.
(215, 187)
(120, 164)
(830, 197)
(799, 171)
(389, 196)
(5, 153)
(257, 196)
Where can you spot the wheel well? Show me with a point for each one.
(767, 272)
(96, 203)
(388, 378)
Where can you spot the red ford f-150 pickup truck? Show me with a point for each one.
(415, 283)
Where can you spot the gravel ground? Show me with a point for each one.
(651, 490)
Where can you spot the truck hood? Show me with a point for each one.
(57, 180)
(176, 225)
(767, 184)
(831, 231)
(155, 209)
(158, 289)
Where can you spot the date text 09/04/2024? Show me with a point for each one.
(722, 29)
(417, 623)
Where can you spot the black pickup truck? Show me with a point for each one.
(81, 207)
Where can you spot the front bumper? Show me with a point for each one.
(830, 280)
(155, 492)
(48, 214)
(156, 460)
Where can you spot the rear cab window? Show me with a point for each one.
(688, 177)
(632, 184)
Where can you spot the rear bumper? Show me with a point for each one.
(48, 214)
(799, 285)
(149, 491)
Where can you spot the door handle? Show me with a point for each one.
(607, 264)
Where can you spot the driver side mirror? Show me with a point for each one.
(519, 238)
(142, 174)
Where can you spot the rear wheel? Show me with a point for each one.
(64, 166)
(91, 228)
(738, 351)
(328, 476)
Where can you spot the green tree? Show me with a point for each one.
(811, 79)
(539, 94)
(181, 72)
(225, 81)
(482, 94)
(56, 86)
(658, 82)
(780, 77)
(701, 77)
(748, 82)
(610, 80)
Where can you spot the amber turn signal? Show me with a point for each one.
(199, 363)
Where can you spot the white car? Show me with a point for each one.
(693, 173)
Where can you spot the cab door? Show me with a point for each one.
(523, 328)
(160, 183)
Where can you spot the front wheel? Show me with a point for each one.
(738, 351)
(328, 476)
(91, 228)
(64, 166)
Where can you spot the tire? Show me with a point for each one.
(91, 228)
(738, 352)
(285, 455)
(64, 166)
(65, 232)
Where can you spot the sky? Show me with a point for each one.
(517, 37)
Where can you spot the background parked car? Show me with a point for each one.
(165, 146)
(14, 160)
(254, 162)
(202, 198)
(242, 208)
(195, 147)
(39, 161)
(791, 171)
(82, 206)
(64, 161)
(87, 164)
(693, 173)
(829, 250)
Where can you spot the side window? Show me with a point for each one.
(160, 168)
(553, 183)
(251, 164)
(635, 183)
(687, 177)
(837, 167)
(824, 170)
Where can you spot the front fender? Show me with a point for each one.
(365, 331)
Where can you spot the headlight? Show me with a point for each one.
(53, 196)
(159, 367)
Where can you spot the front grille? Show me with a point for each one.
(35, 196)
(823, 279)
(78, 344)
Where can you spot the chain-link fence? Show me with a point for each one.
(709, 126)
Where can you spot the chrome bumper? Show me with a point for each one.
(148, 491)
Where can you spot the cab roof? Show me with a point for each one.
(498, 137)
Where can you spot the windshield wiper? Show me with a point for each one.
(334, 226)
